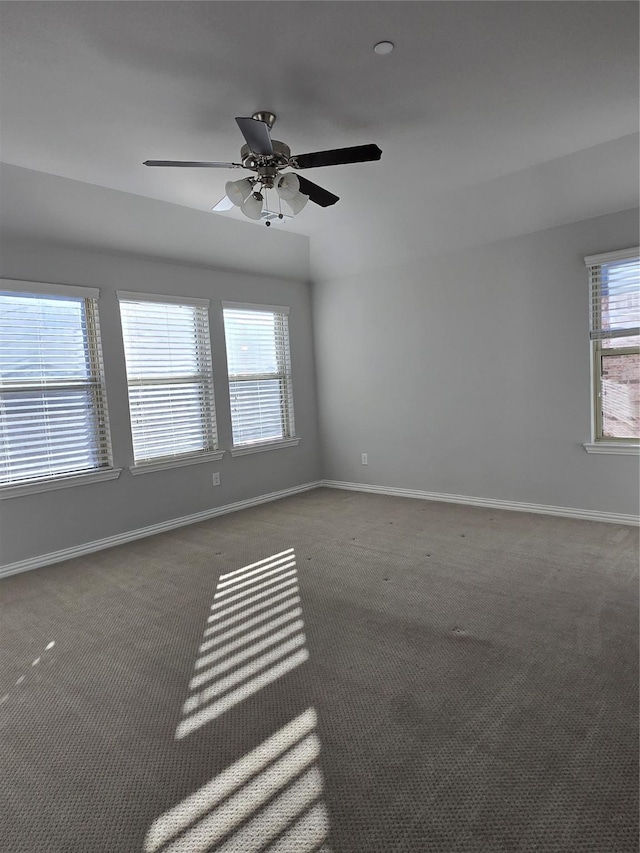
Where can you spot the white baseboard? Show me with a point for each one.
(151, 530)
(489, 503)
(171, 524)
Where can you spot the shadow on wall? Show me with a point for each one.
(271, 799)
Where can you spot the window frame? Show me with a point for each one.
(96, 384)
(289, 439)
(600, 443)
(143, 466)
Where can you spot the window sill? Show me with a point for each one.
(267, 445)
(35, 486)
(175, 462)
(613, 448)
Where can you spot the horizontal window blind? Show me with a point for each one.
(53, 418)
(615, 299)
(259, 365)
(170, 378)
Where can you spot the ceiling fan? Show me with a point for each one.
(268, 158)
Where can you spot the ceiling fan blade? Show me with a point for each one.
(337, 156)
(257, 135)
(193, 164)
(317, 194)
(225, 203)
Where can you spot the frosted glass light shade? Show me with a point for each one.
(238, 191)
(297, 202)
(252, 207)
(288, 185)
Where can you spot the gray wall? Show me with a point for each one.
(464, 372)
(467, 373)
(42, 523)
(42, 208)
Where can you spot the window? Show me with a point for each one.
(170, 378)
(259, 365)
(615, 343)
(53, 417)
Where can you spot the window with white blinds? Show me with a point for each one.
(259, 365)
(170, 377)
(615, 341)
(53, 417)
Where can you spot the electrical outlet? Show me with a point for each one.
(365, 459)
(216, 479)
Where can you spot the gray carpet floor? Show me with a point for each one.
(335, 672)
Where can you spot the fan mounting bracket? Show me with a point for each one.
(267, 117)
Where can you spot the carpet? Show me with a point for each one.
(330, 673)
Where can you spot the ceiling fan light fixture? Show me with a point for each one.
(266, 158)
(252, 206)
(288, 186)
(297, 202)
(238, 191)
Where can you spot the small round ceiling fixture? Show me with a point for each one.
(383, 47)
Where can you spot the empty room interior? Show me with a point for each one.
(319, 426)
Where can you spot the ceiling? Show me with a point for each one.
(475, 93)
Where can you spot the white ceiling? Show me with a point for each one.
(474, 92)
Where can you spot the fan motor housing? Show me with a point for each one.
(279, 159)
